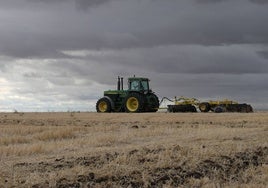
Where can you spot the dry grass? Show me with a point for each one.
(136, 150)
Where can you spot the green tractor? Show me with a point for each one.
(137, 98)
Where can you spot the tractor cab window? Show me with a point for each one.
(134, 85)
(145, 85)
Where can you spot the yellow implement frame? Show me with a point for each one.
(193, 101)
(224, 102)
(185, 100)
(185, 104)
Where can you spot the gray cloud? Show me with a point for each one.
(259, 1)
(47, 32)
(210, 1)
(263, 54)
(218, 1)
(80, 4)
(50, 50)
(85, 4)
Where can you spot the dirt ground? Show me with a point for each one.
(133, 150)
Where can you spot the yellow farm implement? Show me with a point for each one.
(184, 104)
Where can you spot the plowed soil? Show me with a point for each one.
(133, 150)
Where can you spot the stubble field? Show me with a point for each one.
(133, 150)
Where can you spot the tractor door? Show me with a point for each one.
(134, 85)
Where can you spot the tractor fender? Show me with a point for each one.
(111, 101)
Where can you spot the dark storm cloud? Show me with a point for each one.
(47, 1)
(80, 4)
(186, 59)
(217, 1)
(85, 4)
(259, 1)
(47, 32)
(51, 49)
(263, 54)
(210, 1)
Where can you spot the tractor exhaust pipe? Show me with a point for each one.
(118, 83)
(122, 83)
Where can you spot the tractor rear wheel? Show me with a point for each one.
(204, 107)
(134, 103)
(103, 105)
(153, 103)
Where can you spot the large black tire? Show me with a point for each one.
(249, 108)
(219, 109)
(134, 103)
(193, 108)
(153, 103)
(104, 105)
(243, 108)
(204, 107)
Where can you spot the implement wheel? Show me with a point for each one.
(134, 103)
(103, 105)
(204, 107)
(193, 108)
(249, 108)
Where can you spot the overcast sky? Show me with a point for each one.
(59, 55)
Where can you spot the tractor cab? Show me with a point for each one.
(138, 84)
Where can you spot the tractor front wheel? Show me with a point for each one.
(204, 107)
(134, 102)
(103, 105)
